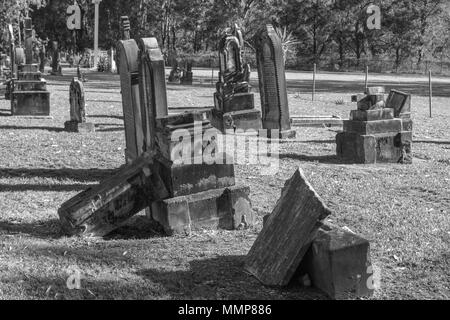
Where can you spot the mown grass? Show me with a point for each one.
(403, 210)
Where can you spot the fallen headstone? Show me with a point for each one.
(287, 234)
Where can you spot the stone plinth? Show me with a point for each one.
(376, 134)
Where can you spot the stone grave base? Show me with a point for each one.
(229, 209)
(237, 120)
(338, 263)
(376, 148)
(75, 126)
(238, 102)
(312, 121)
(31, 103)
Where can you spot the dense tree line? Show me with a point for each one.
(322, 31)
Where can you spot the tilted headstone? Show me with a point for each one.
(78, 121)
(30, 96)
(131, 103)
(272, 82)
(234, 103)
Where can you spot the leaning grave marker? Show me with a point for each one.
(272, 83)
(77, 100)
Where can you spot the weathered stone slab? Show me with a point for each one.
(339, 264)
(378, 148)
(30, 85)
(272, 80)
(371, 102)
(288, 233)
(227, 209)
(373, 127)
(372, 115)
(400, 102)
(237, 102)
(103, 208)
(407, 124)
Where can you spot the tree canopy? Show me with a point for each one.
(326, 31)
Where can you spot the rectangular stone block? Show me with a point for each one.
(33, 76)
(24, 85)
(33, 68)
(238, 102)
(371, 149)
(228, 209)
(187, 179)
(372, 115)
(339, 264)
(31, 103)
(373, 127)
(287, 234)
(400, 102)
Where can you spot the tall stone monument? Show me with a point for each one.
(78, 121)
(272, 83)
(30, 96)
(379, 131)
(234, 106)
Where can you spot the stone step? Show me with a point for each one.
(373, 127)
(33, 68)
(226, 209)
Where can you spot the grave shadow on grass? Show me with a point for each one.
(222, 278)
(51, 129)
(50, 229)
(83, 175)
(328, 159)
(42, 187)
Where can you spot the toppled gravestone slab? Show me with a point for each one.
(287, 234)
(102, 209)
(338, 263)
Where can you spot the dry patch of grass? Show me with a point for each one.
(403, 210)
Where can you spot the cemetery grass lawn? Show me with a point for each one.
(403, 210)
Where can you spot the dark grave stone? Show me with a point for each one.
(272, 82)
(372, 115)
(29, 92)
(126, 29)
(78, 121)
(234, 103)
(287, 234)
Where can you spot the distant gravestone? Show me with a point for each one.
(77, 121)
(234, 107)
(56, 66)
(272, 83)
(187, 75)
